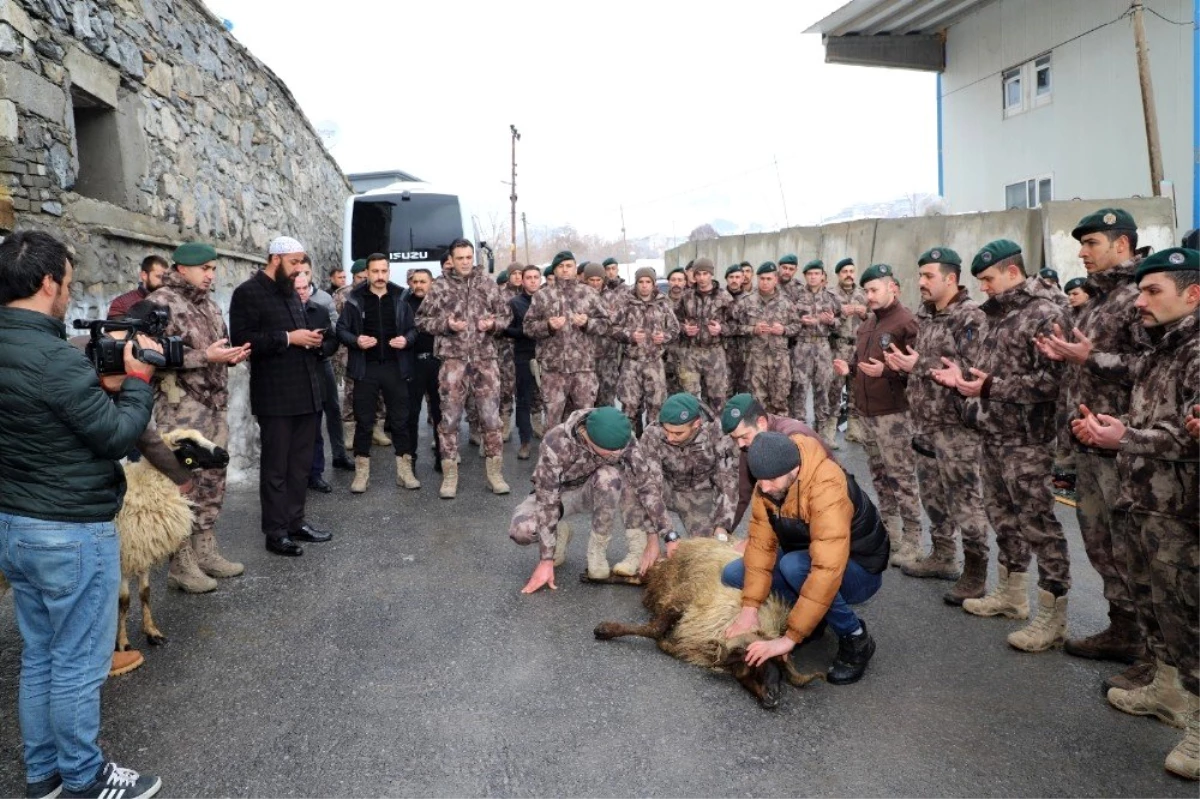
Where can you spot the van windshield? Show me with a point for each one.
(419, 228)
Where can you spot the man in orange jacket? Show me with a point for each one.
(815, 539)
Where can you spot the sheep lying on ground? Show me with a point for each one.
(690, 610)
(155, 521)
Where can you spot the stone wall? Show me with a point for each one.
(128, 126)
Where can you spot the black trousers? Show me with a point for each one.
(381, 376)
(525, 387)
(424, 387)
(287, 453)
(332, 412)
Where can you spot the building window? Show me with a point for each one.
(1041, 80)
(1013, 96)
(97, 147)
(1026, 86)
(1029, 193)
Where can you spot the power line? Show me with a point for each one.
(1171, 21)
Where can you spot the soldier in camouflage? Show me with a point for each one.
(676, 285)
(196, 396)
(789, 264)
(646, 324)
(510, 288)
(854, 311)
(607, 348)
(1158, 466)
(566, 319)
(950, 326)
(589, 462)
(1011, 392)
(734, 341)
(703, 314)
(463, 310)
(767, 318)
(812, 359)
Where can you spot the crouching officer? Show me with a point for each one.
(816, 540)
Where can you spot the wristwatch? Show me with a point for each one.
(671, 537)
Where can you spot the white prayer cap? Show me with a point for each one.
(283, 245)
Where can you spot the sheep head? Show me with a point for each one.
(195, 451)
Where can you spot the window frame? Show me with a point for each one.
(1031, 192)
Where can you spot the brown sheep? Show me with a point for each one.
(690, 610)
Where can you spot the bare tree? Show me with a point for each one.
(703, 233)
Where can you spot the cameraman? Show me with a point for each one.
(60, 488)
(196, 395)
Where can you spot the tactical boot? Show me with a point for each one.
(910, 546)
(539, 424)
(495, 477)
(1048, 628)
(524, 452)
(853, 655)
(1009, 598)
(1139, 675)
(829, 433)
(209, 558)
(404, 473)
(561, 539)
(449, 487)
(1163, 698)
(940, 563)
(633, 560)
(379, 436)
(597, 556)
(506, 430)
(362, 475)
(1184, 759)
(475, 437)
(895, 531)
(185, 573)
(854, 430)
(348, 436)
(1121, 641)
(973, 581)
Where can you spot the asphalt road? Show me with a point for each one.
(401, 659)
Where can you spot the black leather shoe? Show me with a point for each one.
(343, 463)
(284, 546)
(309, 533)
(319, 484)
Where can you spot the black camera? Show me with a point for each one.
(107, 354)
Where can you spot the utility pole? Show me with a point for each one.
(624, 242)
(525, 231)
(779, 178)
(512, 252)
(1149, 110)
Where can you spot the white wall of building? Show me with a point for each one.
(1089, 137)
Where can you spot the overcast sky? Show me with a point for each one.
(678, 111)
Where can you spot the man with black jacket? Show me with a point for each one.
(318, 319)
(426, 365)
(377, 326)
(285, 391)
(524, 351)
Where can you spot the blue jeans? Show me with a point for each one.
(791, 570)
(64, 579)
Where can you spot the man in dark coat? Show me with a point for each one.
(285, 391)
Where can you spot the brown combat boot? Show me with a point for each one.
(1009, 598)
(405, 477)
(895, 531)
(1048, 628)
(973, 582)
(1164, 698)
(185, 574)
(449, 489)
(1139, 675)
(1120, 641)
(940, 563)
(362, 475)
(1184, 759)
(495, 476)
(910, 546)
(209, 558)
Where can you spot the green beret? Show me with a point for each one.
(992, 253)
(815, 263)
(939, 255)
(1049, 274)
(193, 253)
(548, 271)
(731, 269)
(502, 278)
(609, 262)
(841, 263)
(735, 411)
(565, 255)
(790, 258)
(745, 264)
(704, 265)
(608, 428)
(358, 266)
(593, 270)
(767, 268)
(679, 409)
(645, 271)
(1176, 259)
(1075, 283)
(678, 269)
(1104, 219)
(874, 272)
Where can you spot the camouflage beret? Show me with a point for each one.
(193, 253)
(729, 270)
(359, 265)
(815, 263)
(593, 270)
(609, 262)
(1176, 259)
(767, 268)
(939, 255)
(1049, 274)
(993, 253)
(1075, 283)
(645, 271)
(842, 263)
(679, 409)
(874, 272)
(790, 258)
(608, 428)
(565, 255)
(1104, 219)
(735, 411)
(704, 265)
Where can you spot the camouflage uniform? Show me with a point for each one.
(566, 357)
(196, 396)
(768, 362)
(469, 357)
(674, 349)
(812, 360)
(702, 369)
(642, 386)
(699, 478)
(1015, 416)
(570, 478)
(1159, 475)
(948, 468)
(735, 346)
(608, 349)
(843, 338)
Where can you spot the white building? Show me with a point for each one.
(1039, 99)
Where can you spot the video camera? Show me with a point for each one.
(107, 354)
